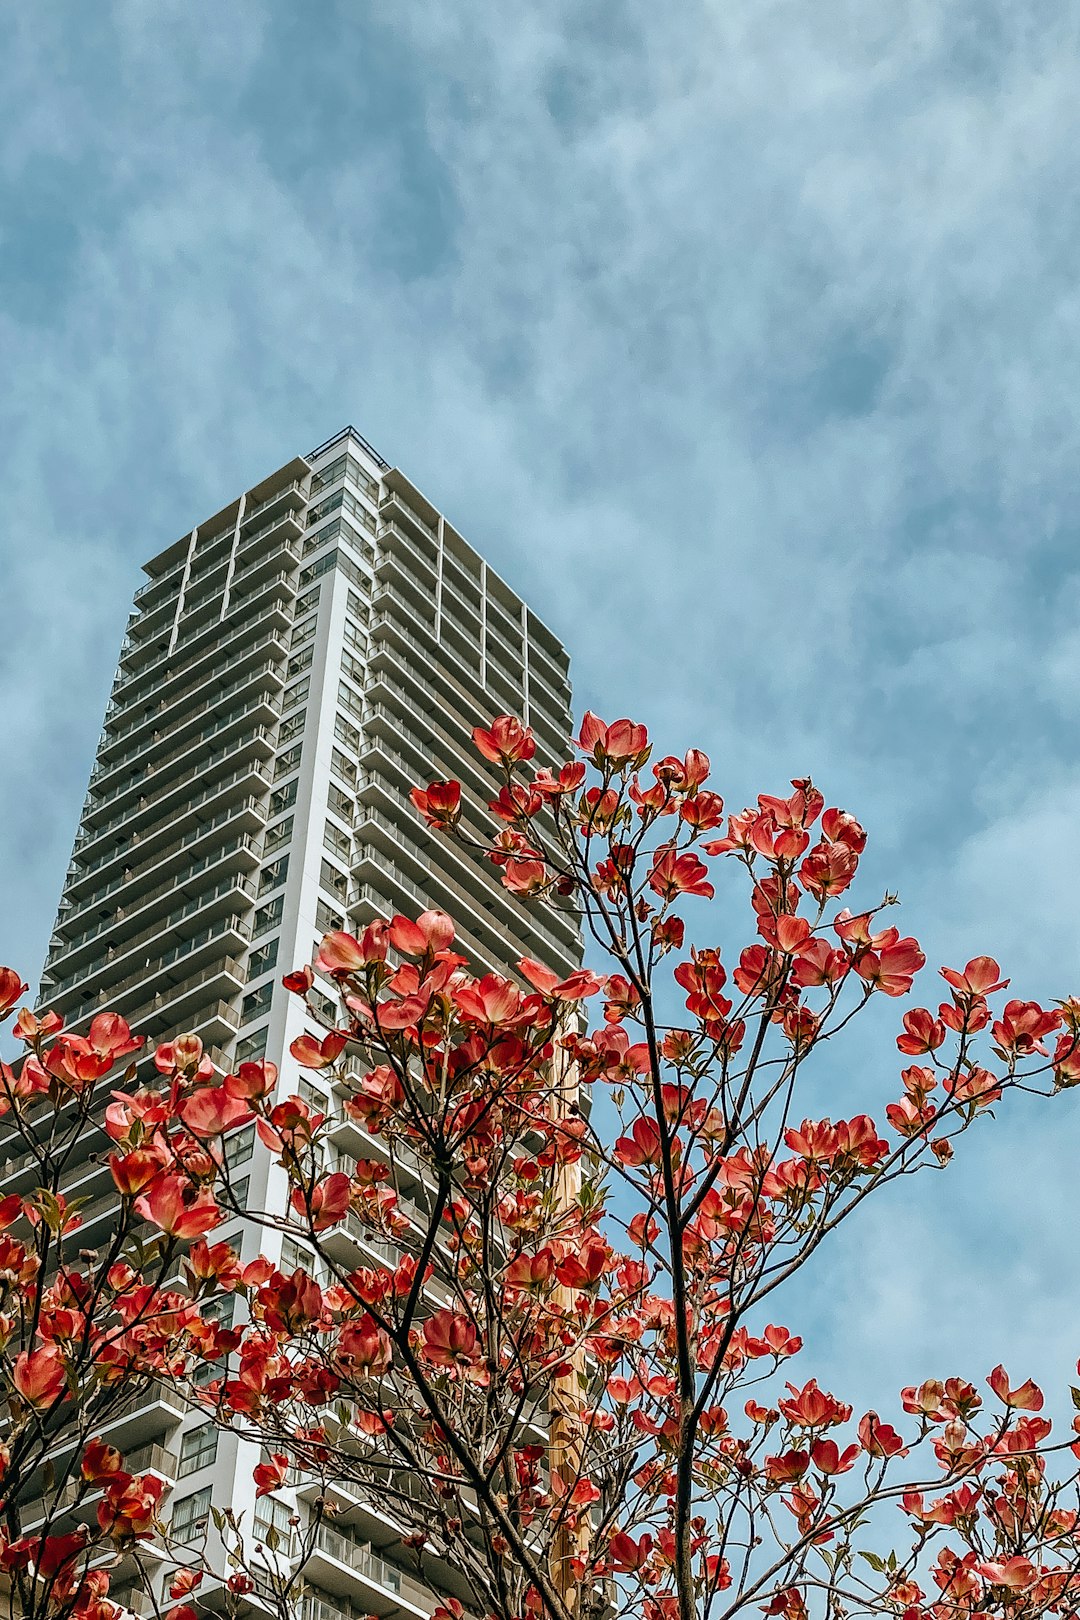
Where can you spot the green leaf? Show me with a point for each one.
(876, 1563)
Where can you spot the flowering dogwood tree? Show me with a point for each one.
(86, 1333)
(567, 1371)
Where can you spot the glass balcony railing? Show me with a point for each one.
(170, 886)
(148, 747)
(234, 885)
(153, 800)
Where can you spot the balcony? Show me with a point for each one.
(225, 899)
(171, 577)
(248, 815)
(170, 715)
(124, 924)
(395, 509)
(144, 819)
(263, 557)
(242, 853)
(196, 1004)
(288, 498)
(403, 569)
(79, 1500)
(263, 708)
(215, 976)
(350, 1568)
(139, 678)
(175, 685)
(473, 894)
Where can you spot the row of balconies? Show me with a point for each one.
(138, 678)
(210, 947)
(499, 621)
(243, 851)
(172, 715)
(150, 808)
(493, 914)
(264, 705)
(249, 814)
(198, 1003)
(125, 917)
(233, 891)
(474, 698)
(206, 664)
(152, 621)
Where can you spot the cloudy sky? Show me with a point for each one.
(742, 337)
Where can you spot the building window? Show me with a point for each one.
(300, 662)
(340, 803)
(268, 916)
(240, 1146)
(262, 960)
(288, 761)
(356, 638)
(346, 734)
(342, 767)
(296, 694)
(273, 874)
(309, 600)
(353, 668)
(327, 920)
(198, 1449)
(303, 633)
(350, 701)
(277, 836)
(252, 1047)
(356, 607)
(283, 798)
(191, 1515)
(293, 1257)
(337, 842)
(257, 1002)
(322, 565)
(292, 727)
(334, 882)
(310, 1094)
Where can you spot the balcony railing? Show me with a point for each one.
(206, 661)
(244, 843)
(187, 947)
(234, 886)
(147, 749)
(152, 800)
(173, 715)
(116, 923)
(231, 812)
(135, 679)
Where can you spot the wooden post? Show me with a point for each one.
(564, 1437)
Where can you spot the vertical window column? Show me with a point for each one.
(183, 590)
(240, 510)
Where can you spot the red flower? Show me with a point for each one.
(178, 1207)
(270, 1476)
(439, 803)
(11, 988)
(38, 1375)
(507, 743)
(214, 1111)
(674, 874)
(620, 743)
(450, 1340)
(880, 1439)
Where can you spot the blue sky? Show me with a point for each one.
(744, 341)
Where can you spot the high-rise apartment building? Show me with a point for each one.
(292, 666)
